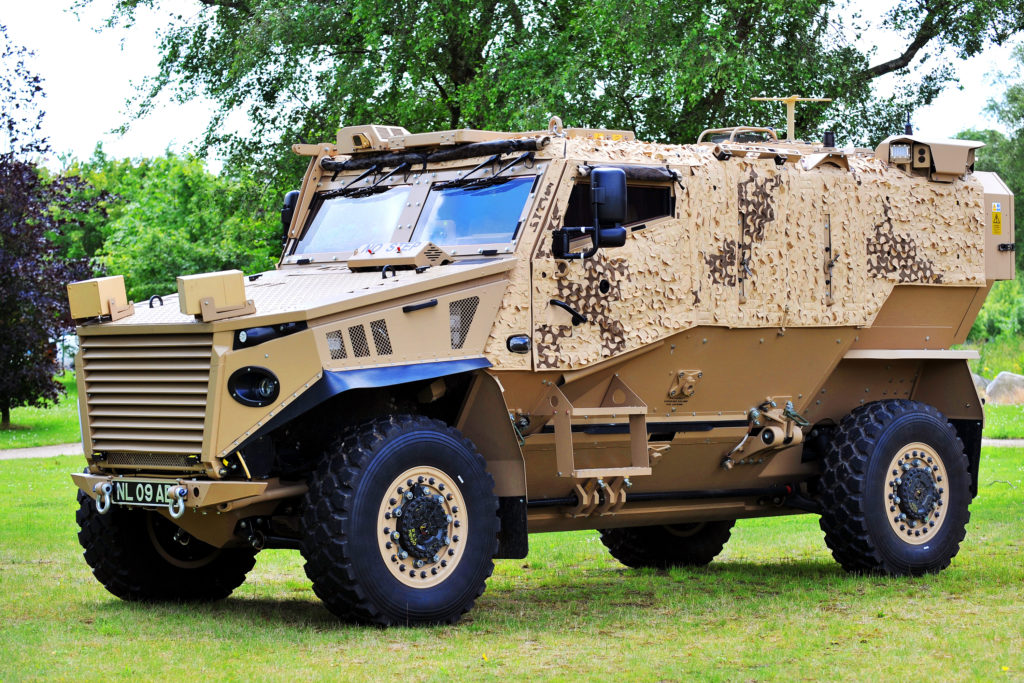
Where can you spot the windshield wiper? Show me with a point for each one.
(376, 188)
(494, 179)
(459, 182)
(344, 191)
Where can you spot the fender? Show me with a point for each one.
(337, 382)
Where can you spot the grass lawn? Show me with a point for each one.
(773, 607)
(45, 426)
(1004, 422)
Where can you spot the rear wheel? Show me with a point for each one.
(400, 523)
(896, 490)
(669, 545)
(141, 555)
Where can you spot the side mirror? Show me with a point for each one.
(608, 195)
(288, 210)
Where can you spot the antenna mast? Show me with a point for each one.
(791, 109)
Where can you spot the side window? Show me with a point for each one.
(643, 203)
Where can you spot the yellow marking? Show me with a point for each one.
(617, 136)
(997, 223)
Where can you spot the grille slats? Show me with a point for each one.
(146, 397)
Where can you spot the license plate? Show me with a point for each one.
(141, 492)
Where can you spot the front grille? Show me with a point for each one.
(151, 461)
(146, 395)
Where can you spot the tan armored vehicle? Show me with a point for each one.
(473, 335)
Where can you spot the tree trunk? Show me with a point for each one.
(5, 417)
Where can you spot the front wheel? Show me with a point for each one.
(400, 523)
(895, 490)
(141, 555)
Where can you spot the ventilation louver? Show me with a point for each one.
(461, 314)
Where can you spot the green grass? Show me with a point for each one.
(1004, 422)
(53, 424)
(773, 607)
(1004, 353)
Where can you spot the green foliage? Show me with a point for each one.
(301, 68)
(1003, 312)
(170, 216)
(1001, 354)
(1004, 153)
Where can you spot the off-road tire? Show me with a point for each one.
(133, 554)
(351, 555)
(669, 545)
(862, 522)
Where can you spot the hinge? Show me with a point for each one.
(1007, 246)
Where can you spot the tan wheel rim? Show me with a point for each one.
(422, 527)
(916, 498)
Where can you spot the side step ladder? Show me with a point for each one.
(619, 401)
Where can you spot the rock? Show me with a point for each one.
(1006, 389)
(981, 384)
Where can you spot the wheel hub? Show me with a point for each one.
(422, 525)
(918, 493)
(915, 493)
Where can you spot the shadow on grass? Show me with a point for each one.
(636, 595)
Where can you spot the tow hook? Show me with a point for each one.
(176, 501)
(103, 491)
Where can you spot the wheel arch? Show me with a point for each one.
(947, 385)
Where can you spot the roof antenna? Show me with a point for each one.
(907, 128)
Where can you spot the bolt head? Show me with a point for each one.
(403, 554)
(435, 558)
(444, 563)
(434, 571)
(421, 479)
(448, 518)
(456, 539)
(408, 495)
(397, 512)
(906, 466)
(455, 508)
(418, 563)
(426, 491)
(450, 554)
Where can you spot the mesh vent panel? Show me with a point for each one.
(336, 345)
(357, 335)
(150, 461)
(381, 340)
(461, 314)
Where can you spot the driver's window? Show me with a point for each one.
(643, 203)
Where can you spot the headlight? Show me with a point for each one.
(254, 386)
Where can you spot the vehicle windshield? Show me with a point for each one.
(487, 214)
(342, 224)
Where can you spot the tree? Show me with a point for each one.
(301, 68)
(1004, 152)
(33, 307)
(171, 217)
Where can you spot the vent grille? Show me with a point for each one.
(357, 335)
(381, 340)
(461, 314)
(336, 345)
(153, 461)
(433, 253)
(146, 396)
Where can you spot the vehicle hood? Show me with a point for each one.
(304, 293)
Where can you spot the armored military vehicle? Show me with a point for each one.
(472, 336)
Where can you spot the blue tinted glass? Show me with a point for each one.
(466, 215)
(344, 223)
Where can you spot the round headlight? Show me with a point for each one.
(254, 386)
